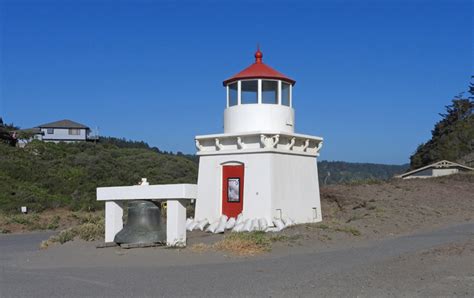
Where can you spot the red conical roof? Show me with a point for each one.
(259, 70)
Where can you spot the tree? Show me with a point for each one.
(452, 137)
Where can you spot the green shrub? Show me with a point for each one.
(47, 175)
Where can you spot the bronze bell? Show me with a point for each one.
(144, 225)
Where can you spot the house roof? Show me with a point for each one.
(437, 165)
(63, 124)
(259, 70)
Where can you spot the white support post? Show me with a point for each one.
(259, 91)
(176, 223)
(228, 99)
(279, 92)
(239, 92)
(291, 96)
(113, 219)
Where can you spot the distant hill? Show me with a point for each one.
(47, 175)
(333, 172)
(452, 137)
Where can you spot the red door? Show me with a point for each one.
(232, 190)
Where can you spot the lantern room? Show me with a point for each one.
(259, 98)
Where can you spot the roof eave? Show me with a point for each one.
(232, 80)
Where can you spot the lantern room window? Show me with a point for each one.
(259, 91)
(233, 94)
(285, 94)
(270, 92)
(249, 92)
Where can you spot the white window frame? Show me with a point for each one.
(291, 95)
(260, 92)
(239, 90)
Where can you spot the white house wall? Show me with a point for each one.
(444, 172)
(62, 134)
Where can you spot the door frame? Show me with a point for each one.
(241, 184)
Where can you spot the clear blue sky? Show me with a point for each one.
(371, 76)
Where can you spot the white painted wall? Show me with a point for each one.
(254, 117)
(433, 172)
(444, 172)
(272, 181)
(296, 188)
(62, 134)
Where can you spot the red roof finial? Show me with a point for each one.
(258, 55)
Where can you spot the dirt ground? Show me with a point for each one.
(360, 212)
(398, 207)
(351, 213)
(406, 238)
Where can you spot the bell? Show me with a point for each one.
(144, 225)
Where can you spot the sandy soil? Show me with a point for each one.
(398, 206)
(362, 212)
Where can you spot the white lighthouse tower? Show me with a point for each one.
(259, 166)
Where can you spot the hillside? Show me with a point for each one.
(399, 206)
(47, 175)
(452, 137)
(334, 172)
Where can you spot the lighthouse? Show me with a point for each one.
(259, 167)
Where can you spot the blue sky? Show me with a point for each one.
(371, 76)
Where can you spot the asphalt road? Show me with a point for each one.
(390, 267)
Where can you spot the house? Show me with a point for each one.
(437, 169)
(58, 131)
(64, 131)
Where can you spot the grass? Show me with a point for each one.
(245, 244)
(199, 247)
(54, 224)
(348, 230)
(322, 226)
(87, 231)
(47, 220)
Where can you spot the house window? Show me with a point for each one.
(74, 131)
(50, 131)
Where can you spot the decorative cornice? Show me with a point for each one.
(259, 142)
